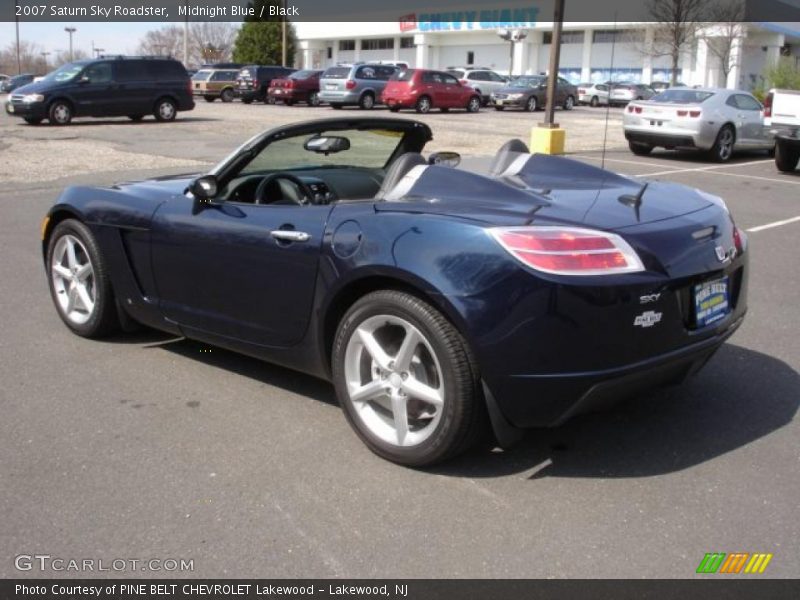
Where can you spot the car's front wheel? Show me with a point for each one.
(227, 95)
(165, 110)
(313, 99)
(474, 104)
(569, 103)
(532, 105)
(79, 282)
(406, 379)
(595, 101)
(60, 113)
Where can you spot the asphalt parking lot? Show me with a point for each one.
(143, 446)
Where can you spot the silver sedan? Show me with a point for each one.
(714, 120)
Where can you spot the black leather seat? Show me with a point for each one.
(508, 153)
(399, 169)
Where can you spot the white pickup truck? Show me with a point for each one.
(782, 119)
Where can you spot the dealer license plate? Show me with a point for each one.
(711, 301)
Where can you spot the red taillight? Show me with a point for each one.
(694, 113)
(290, 83)
(569, 250)
(683, 113)
(350, 84)
(637, 110)
(630, 108)
(738, 240)
(768, 105)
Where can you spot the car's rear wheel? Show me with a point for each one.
(313, 99)
(367, 101)
(595, 102)
(406, 379)
(60, 113)
(722, 150)
(786, 157)
(499, 108)
(423, 105)
(532, 105)
(136, 117)
(474, 104)
(79, 283)
(32, 120)
(165, 110)
(640, 149)
(226, 95)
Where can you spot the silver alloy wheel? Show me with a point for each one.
(474, 104)
(570, 103)
(532, 104)
(61, 113)
(725, 143)
(313, 100)
(166, 110)
(73, 279)
(424, 104)
(394, 380)
(368, 101)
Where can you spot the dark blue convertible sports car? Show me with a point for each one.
(439, 301)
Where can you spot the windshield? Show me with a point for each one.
(65, 72)
(201, 75)
(527, 82)
(682, 96)
(370, 148)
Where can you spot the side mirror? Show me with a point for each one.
(445, 159)
(84, 79)
(204, 188)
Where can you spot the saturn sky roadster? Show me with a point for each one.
(442, 303)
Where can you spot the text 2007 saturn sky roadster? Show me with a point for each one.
(438, 301)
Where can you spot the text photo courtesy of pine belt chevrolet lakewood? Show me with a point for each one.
(443, 304)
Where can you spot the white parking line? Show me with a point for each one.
(773, 224)
(712, 168)
(619, 160)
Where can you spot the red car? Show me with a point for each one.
(423, 89)
(300, 86)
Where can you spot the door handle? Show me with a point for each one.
(289, 235)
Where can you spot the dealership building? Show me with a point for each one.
(589, 51)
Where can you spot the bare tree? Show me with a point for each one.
(677, 23)
(62, 56)
(726, 32)
(30, 58)
(211, 41)
(165, 41)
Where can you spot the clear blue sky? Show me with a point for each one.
(114, 38)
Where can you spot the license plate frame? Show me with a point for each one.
(712, 301)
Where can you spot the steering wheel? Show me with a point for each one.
(261, 190)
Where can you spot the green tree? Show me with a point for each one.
(259, 41)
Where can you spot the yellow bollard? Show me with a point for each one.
(548, 140)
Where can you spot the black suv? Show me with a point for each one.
(106, 87)
(253, 81)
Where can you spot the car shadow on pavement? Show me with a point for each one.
(120, 121)
(740, 397)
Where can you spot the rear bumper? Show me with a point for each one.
(661, 139)
(287, 94)
(550, 400)
(339, 97)
(400, 101)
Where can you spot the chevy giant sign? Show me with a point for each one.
(470, 20)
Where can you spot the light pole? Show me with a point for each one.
(45, 55)
(283, 36)
(186, 37)
(16, 19)
(70, 31)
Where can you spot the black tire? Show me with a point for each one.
(474, 104)
(226, 95)
(500, 108)
(60, 113)
(723, 147)
(210, 98)
(424, 105)
(288, 102)
(336, 106)
(394, 109)
(367, 101)
(640, 149)
(32, 120)
(786, 157)
(165, 110)
(463, 418)
(569, 102)
(532, 104)
(136, 117)
(270, 100)
(313, 99)
(103, 320)
(247, 100)
(595, 102)
(444, 110)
